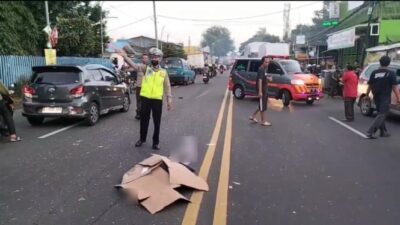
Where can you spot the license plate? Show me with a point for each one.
(52, 110)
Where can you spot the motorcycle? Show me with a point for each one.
(205, 78)
(221, 71)
(9, 101)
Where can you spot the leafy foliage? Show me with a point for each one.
(22, 29)
(171, 50)
(19, 31)
(219, 40)
(311, 30)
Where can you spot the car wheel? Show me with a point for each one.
(310, 102)
(286, 98)
(35, 121)
(238, 92)
(93, 115)
(186, 82)
(126, 104)
(366, 106)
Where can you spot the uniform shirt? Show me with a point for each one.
(166, 84)
(381, 83)
(350, 82)
(3, 91)
(139, 67)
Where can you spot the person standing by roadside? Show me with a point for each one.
(140, 69)
(350, 82)
(357, 68)
(155, 83)
(6, 113)
(382, 82)
(262, 90)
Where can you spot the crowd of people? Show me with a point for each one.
(153, 85)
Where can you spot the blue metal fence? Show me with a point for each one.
(14, 67)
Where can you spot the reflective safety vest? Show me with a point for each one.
(153, 83)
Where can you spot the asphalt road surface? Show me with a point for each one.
(307, 168)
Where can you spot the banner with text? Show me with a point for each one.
(344, 39)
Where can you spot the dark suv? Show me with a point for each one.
(73, 91)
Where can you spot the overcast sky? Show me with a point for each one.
(198, 16)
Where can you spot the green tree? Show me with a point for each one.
(19, 31)
(311, 30)
(71, 10)
(219, 40)
(75, 37)
(171, 50)
(261, 36)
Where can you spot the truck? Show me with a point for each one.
(276, 50)
(197, 61)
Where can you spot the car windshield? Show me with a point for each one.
(291, 66)
(56, 78)
(173, 63)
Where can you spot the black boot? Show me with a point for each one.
(139, 143)
(156, 147)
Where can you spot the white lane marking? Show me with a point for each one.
(59, 130)
(348, 127)
(202, 94)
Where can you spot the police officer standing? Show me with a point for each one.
(154, 84)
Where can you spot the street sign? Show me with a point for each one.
(300, 39)
(50, 56)
(329, 23)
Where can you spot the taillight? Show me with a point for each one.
(78, 92)
(28, 91)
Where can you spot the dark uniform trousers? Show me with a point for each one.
(153, 106)
(138, 100)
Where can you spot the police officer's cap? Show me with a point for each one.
(155, 51)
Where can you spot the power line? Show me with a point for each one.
(237, 18)
(119, 10)
(137, 21)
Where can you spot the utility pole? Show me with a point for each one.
(101, 29)
(189, 45)
(286, 21)
(161, 38)
(371, 12)
(46, 5)
(155, 22)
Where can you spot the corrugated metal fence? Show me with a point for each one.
(13, 67)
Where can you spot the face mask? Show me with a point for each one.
(154, 62)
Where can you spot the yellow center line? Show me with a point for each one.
(221, 203)
(192, 211)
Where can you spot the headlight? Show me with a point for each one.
(297, 82)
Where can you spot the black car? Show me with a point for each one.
(73, 91)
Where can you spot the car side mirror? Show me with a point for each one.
(279, 71)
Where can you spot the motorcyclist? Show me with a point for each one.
(206, 69)
(6, 112)
(214, 69)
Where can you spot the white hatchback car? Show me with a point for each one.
(367, 106)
